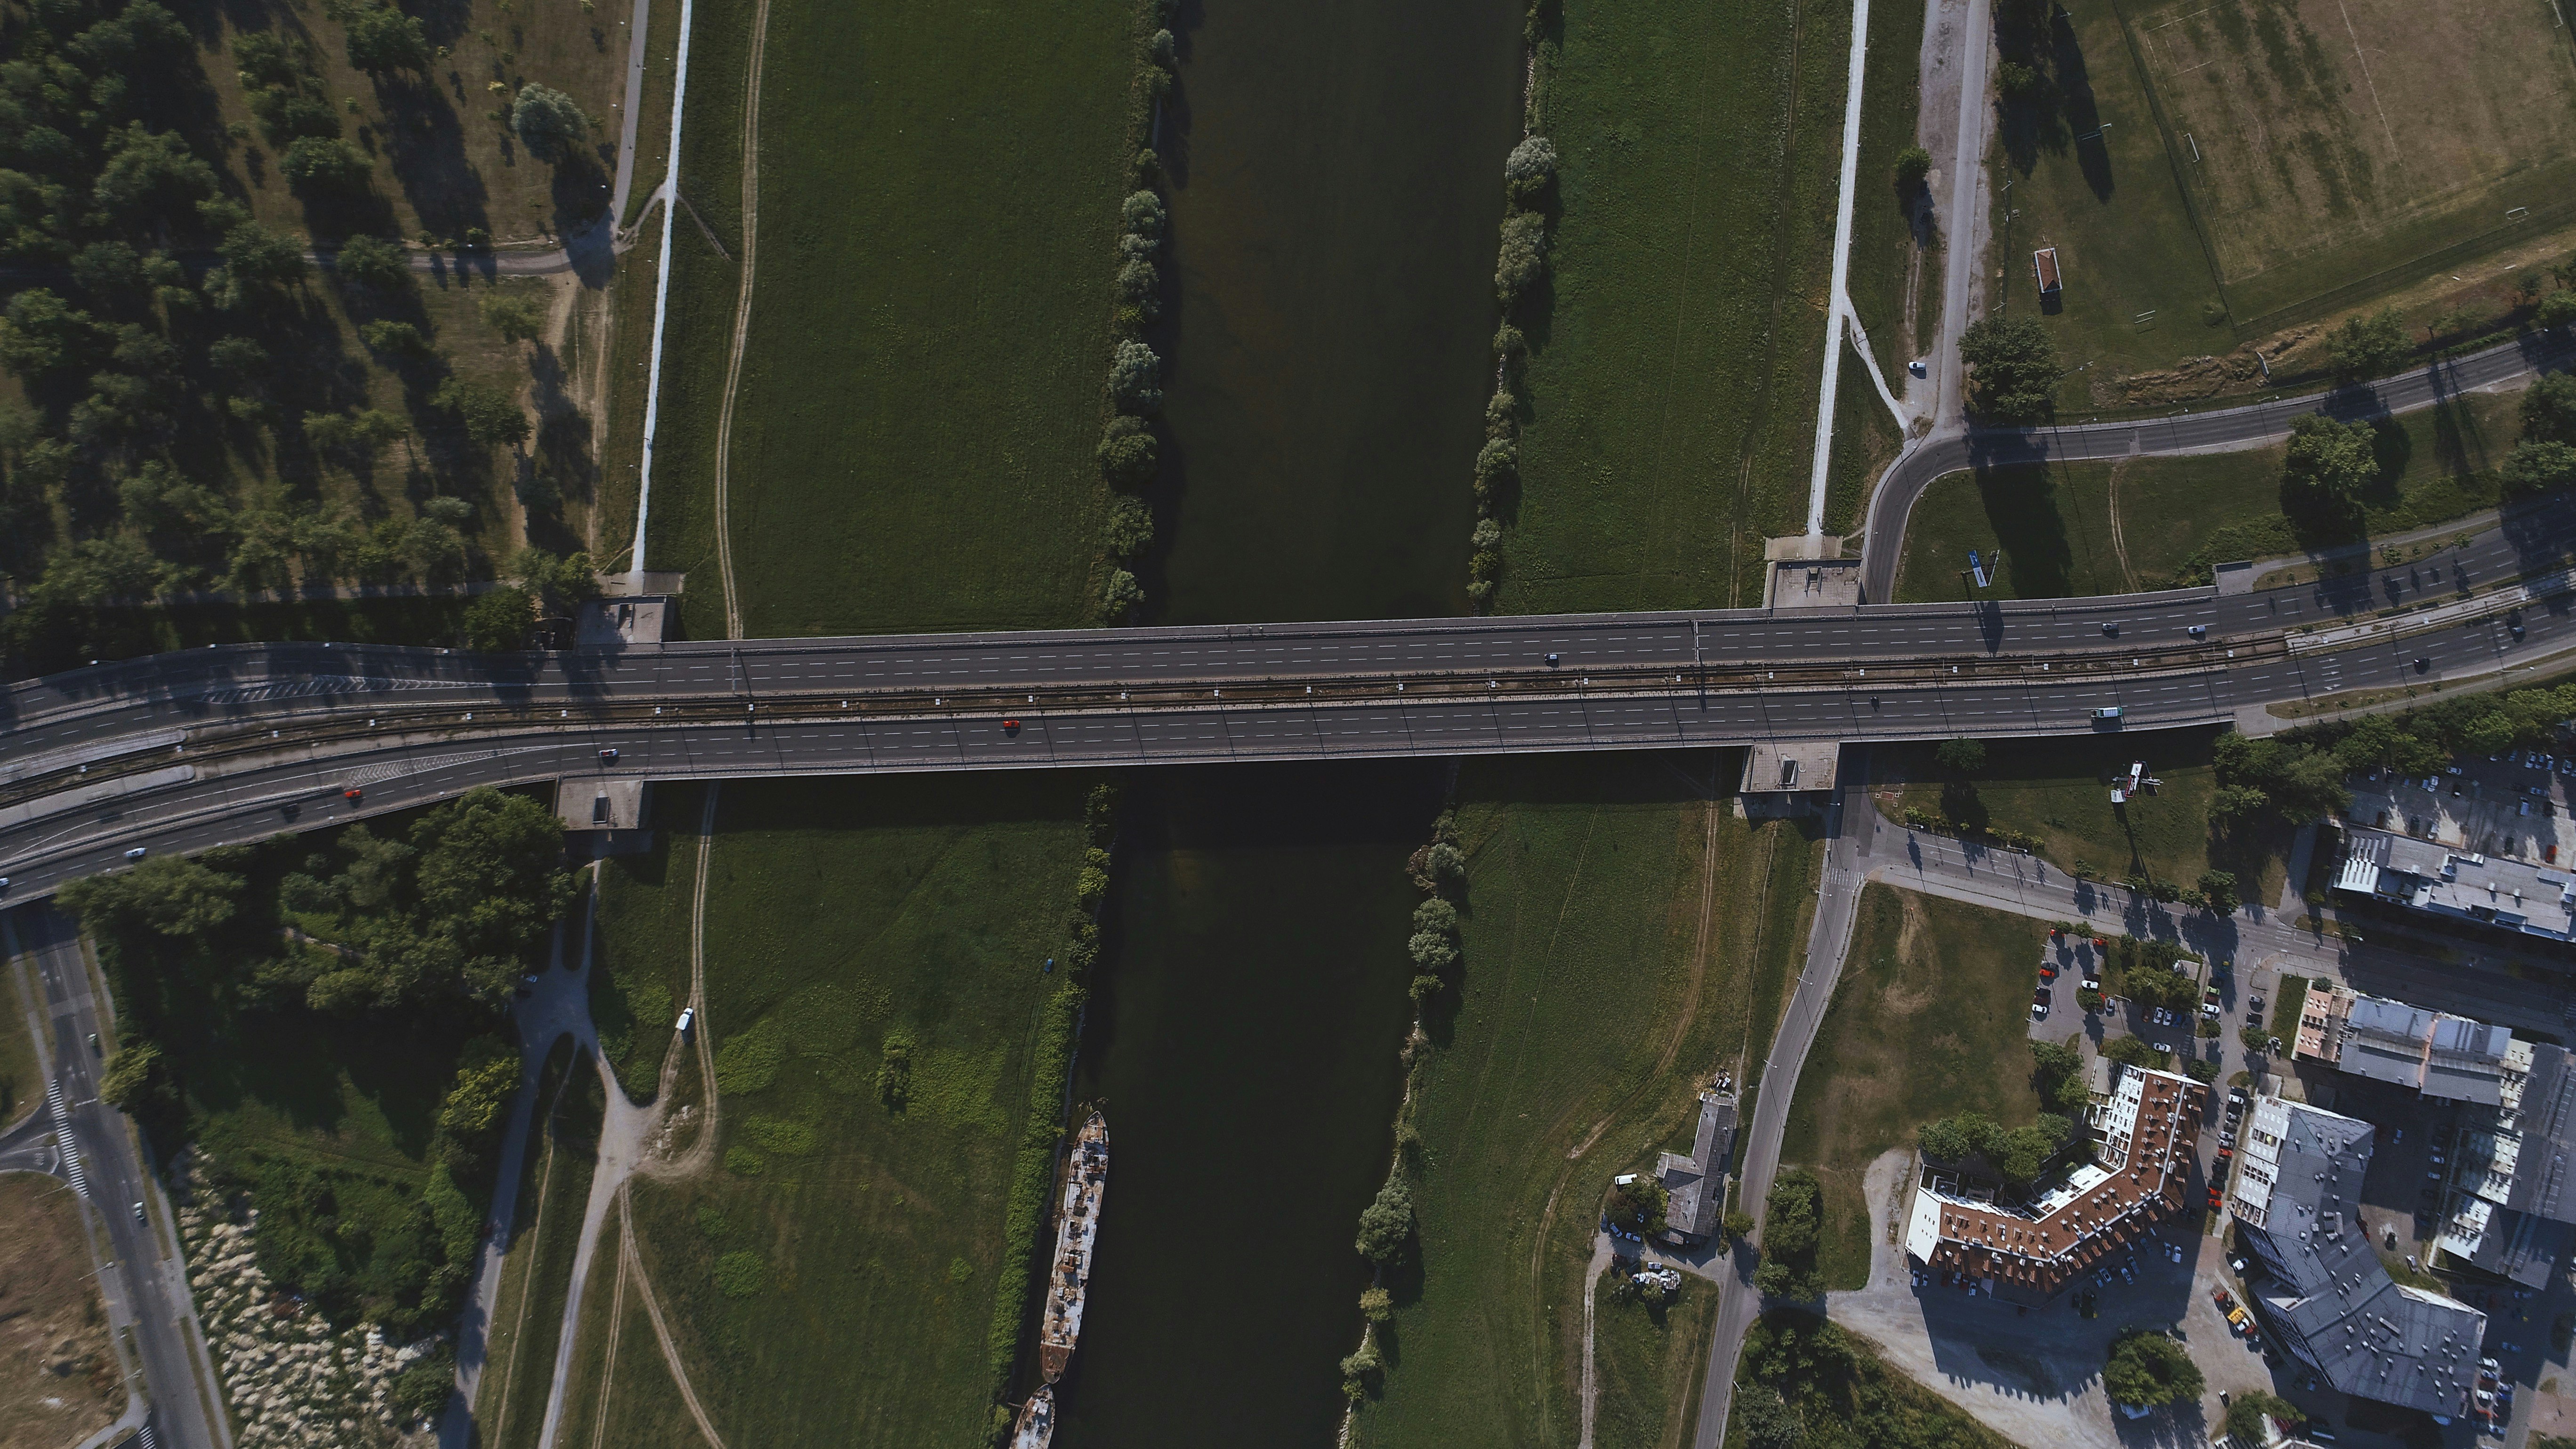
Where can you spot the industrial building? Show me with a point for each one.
(2514, 895)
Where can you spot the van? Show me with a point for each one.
(2107, 712)
(688, 1014)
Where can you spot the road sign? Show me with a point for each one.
(1977, 567)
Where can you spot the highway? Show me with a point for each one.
(147, 1278)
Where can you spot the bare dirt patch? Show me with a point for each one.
(59, 1381)
(2310, 128)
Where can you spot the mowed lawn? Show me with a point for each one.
(2059, 790)
(1930, 1019)
(640, 951)
(832, 1278)
(1591, 1010)
(2073, 529)
(1672, 383)
(930, 330)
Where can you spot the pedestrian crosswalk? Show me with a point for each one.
(63, 1138)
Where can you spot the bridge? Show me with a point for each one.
(183, 751)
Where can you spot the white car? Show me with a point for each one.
(135, 854)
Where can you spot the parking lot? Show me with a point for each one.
(2510, 805)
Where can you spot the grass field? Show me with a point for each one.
(1895, 269)
(942, 478)
(536, 1267)
(842, 916)
(2056, 524)
(2059, 790)
(1843, 1392)
(1591, 1009)
(60, 1380)
(1930, 1019)
(22, 1078)
(1671, 386)
(1647, 1365)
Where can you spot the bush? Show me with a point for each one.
(490, 414)
(1523, 256)
(1129, 530)
(372, 262)
(548, 122)
(1143, 216)
(2536, 465)
(741, 1273)
(324, 164)
(1386, 1224)
(2365, 347)
(382, 38)
(1376, 1305)
(517, 316)
(2247, 1411)
(1128, 453)
(1961, 757)
(421, 1390)
(1913, 166)
(1530, 167)
(1122, 596)
(499, 621)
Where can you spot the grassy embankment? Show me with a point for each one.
(2068, 530)
(2059, 790)
(1674, 352)
(1895, 269)
(60, 1380)
(536, 1267)
(1839, 1391)
(1610, 961)
(944, 478)
(640, 956)
(1647, 1364)
(1930, 1019)
(877, 1007)
(2144, 160)
(22, 1079)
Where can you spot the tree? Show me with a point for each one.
(253, 253)
(548, 122)
(1136, 378)
(1523, 255)
(1122, 595)
(1768, 1421)
(135, 1076)
(2328, 459)
(490, 872)
(318, 163)
(2535, 466)
(1913, 167)
(372, 262)
(2366, 347)
(491, 416)
(1127, 452)
(499, 621)
(355, 437)
(150, 173)
(2218, 891)
(1387, 1222)
(2549, 409)
(43, 338)
(2015, 369)
(170, 895)
(1129, 530)
(1792, 1215)
(557, 584)
(382, 39)
(2248, 1413)
(393, 339)
(1143, 216)
(516, 316)
(2556, 310)
(2147, 1370)
(1376, 1305)
(1530, 167)
(1961, 757)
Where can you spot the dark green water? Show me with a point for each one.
(1245, 1045)
(1336, 186)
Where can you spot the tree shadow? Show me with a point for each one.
(2020, 503)
(2083, 118)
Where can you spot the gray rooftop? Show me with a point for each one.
(1696, 1184)
(2515, 894)
(2367, 1334)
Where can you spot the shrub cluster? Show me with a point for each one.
(1033, 1169)
(1939, 824)
(1129, 454)
(1528, 174)
(1792, 1230)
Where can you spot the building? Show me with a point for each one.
(1695, 1186)
(2138, 1175)
(2449, 1058)
(2511, 1210)
(2043, 264)
(2296, 1198)
(2417, 875)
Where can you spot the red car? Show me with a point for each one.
(352, 794)
(1010, 726)
(2047, 972)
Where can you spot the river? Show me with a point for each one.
(1335, 183)
(1336, 187)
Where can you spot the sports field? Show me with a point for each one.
(1625, 935)
(2325, 140)
(1672, 381)
(1930, 1019)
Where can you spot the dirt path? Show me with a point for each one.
(630, 1265)
(701, 1153)
(2119, 544)
(741, 318)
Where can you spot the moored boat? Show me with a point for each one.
(1086, 1184)
(1036, 1425)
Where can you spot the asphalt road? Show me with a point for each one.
(1848, 849)
(150, 1271)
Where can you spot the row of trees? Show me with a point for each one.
(1129, 454)
(1529, 175)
